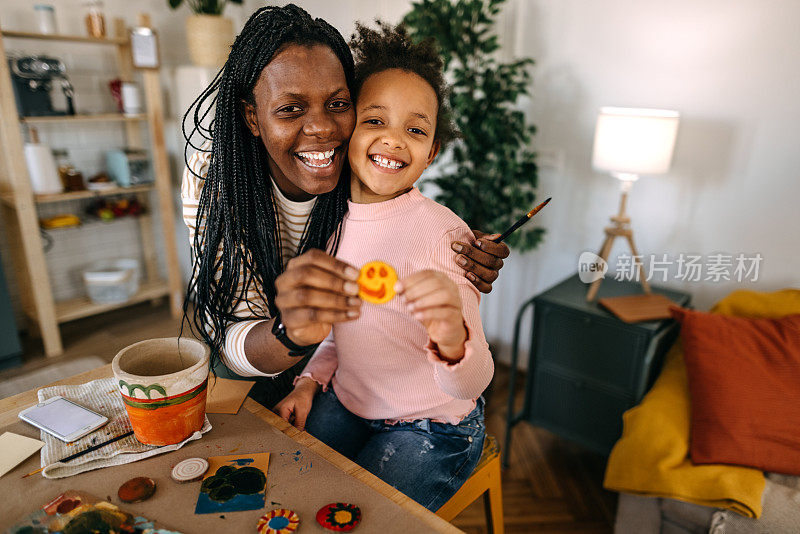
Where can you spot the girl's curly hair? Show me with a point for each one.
(390, 47)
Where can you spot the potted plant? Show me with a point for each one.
(490, 174)
(209, 35)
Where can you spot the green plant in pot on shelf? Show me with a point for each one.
(209, 35)
(488, 177)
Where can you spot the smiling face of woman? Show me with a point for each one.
(304, 116)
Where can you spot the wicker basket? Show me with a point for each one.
(209, 38)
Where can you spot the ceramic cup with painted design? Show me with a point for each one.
(163, 384)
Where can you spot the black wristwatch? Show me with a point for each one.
(295, 350)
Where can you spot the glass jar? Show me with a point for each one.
(63, 164)
(46, 18)
(95, 20)
(71, 179)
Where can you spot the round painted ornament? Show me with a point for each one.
(339, 516)
(376, 282)
(137, 489)
(189, 469)
(278, 521)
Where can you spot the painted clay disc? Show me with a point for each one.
(190, 469)
(137, 489)
(339, 516)
(278, 521)
(376, 282)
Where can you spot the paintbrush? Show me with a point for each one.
(84, 451)
(522, 221)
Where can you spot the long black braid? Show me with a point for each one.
(237, 226)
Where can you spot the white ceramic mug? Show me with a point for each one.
(131, 100)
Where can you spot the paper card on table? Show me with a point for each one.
(225, 395)
(14, 449)
(234, 483)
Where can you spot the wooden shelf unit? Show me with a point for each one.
(118, 41)
(19, 204)
(78, 195)
(69, 310)
(101, 117)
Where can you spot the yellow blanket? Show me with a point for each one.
(652, 456)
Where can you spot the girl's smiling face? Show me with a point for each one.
(393, 142)
(304, 117)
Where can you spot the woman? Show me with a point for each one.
(267, 193)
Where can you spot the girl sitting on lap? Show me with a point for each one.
(401, 385)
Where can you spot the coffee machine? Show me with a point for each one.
(33, 78)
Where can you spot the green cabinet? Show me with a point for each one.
(586, 367)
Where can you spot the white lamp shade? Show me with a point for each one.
(634, 141)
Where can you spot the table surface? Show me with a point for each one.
(304, 474)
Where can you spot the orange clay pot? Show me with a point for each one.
(163, 386)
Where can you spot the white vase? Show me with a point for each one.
(209, 38)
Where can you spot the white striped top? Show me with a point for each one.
(292, 218)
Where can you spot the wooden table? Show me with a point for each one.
(325, 476)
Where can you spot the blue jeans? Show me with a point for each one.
(425, 460)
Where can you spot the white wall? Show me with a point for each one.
(731, 68)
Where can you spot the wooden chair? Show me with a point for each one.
(485, 480)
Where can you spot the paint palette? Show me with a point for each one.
(75, 511)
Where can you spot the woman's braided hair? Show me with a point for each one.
(236, 215)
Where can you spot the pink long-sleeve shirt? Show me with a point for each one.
(383, 365)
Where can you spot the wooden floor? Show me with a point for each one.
(551, 486)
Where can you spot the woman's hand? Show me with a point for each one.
(295, 406)
(433, 300)
(482, 261)
(315, 291)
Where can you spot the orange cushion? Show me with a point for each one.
(744, 383)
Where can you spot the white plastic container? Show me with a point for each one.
(112, 282)
(46, 18)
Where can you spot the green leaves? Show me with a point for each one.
(492, 176)
(204, 7)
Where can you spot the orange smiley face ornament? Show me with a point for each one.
(376, 282)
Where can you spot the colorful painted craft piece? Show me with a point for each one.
(75, 512)
(234, 483)
(137, 489)
(278, 521)
(376, 282)
(189, 470)
(339, 516)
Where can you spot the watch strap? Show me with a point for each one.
(295, 350)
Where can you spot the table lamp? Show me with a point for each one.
(629, 142)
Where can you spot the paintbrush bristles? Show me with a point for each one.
(535, 210)
(522, 220)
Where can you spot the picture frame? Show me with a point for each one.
(144, 48)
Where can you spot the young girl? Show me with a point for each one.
(401, 385)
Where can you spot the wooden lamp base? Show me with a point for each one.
(620, 228)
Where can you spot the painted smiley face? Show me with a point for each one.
(376, 282)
